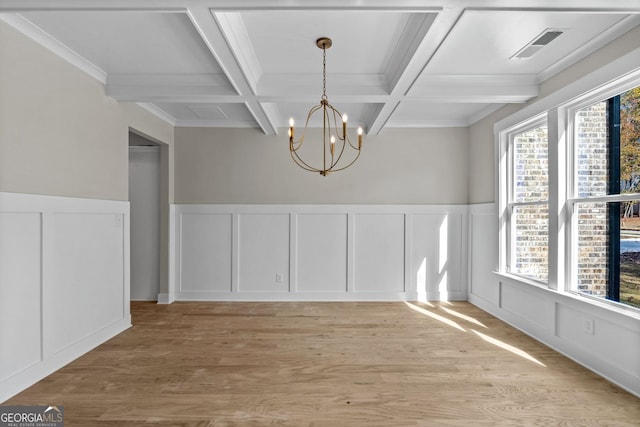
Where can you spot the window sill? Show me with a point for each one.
(522, 280)
(601, 304)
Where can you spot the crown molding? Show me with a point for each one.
(161, 114)
(45, 40)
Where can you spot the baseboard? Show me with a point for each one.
(579, 355)
(165, 298)
(304, 296)
(31, 375)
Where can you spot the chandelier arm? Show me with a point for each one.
(298, 160)
(345, 166)
(345, 136)
(337, 118)
(311, 113)
(352, 146)
(339, 156)
(301, 163)
(299, 142)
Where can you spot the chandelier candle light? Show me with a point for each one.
(331, 134)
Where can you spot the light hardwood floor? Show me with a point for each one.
(327, 364)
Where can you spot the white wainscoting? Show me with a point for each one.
(64, 282)
(611, 348)
(318, 252)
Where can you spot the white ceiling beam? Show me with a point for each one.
(365, 89)
(470, 88)
(232, 26)
(414, 66)
(216, 123)
(383, 115)
(214, 38)
(296, 85)
(153, 87)
(430, 123)
(335, 100)
(413, 36)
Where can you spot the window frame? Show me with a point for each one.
(570, 111)
(615, 78)
(510, 203)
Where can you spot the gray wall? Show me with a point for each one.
(59, 134)
(399, 166)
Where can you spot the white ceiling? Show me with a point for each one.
(252, 63)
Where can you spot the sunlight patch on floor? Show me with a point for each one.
(509, 348)
(485, 337)
(435, 316)
(463, 316)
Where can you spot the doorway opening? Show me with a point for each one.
(145, 217)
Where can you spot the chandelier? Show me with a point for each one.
(338, 152)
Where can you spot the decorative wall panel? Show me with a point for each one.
(322, 253)
(20, 292)
(64, 282)
(206, 252)
(263, 253)
(379, 253)
(319, 252)
(435, 256)
(85, 285)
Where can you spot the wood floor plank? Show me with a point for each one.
(327, 364)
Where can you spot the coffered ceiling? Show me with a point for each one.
(252, 63)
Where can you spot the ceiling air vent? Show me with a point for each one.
(538, 43)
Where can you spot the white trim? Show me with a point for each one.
(44, 39)
(505, 139)
(159, 113)
(626, 197)
(23, 202)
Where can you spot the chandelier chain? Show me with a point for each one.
(324, 72)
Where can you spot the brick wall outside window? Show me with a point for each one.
(591, 142)
(531, 222)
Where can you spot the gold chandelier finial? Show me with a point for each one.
(331, 156)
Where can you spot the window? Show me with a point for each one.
(569, 194)
(528, 203)
(605, 219)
